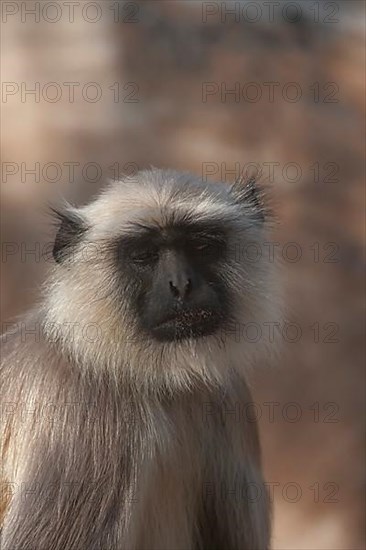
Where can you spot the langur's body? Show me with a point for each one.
(122, 424)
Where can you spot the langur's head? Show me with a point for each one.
(153, 277)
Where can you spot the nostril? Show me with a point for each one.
(174, 289)
(188, 286)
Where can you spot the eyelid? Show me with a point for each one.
(208, 246)
(148, 252)
(208, 240)
(204, 244)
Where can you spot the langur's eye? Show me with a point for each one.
(207, 248)
(145, 257)
(203, 246)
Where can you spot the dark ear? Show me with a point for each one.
(71, 228)
(245, 191)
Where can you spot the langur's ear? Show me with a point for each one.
(71, 228)
(246, 192)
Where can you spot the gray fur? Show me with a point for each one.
(125, 443)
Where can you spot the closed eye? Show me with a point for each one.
(202, 246)
(144, 257)
(208, 247)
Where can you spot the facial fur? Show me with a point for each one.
(161, 266)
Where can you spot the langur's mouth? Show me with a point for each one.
(186, 324)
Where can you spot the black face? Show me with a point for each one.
(177, 293)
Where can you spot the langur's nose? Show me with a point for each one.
(180, 287)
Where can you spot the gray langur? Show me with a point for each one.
(122, 393)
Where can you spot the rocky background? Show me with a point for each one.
(217, 88)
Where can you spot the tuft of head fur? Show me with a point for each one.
(87, 309)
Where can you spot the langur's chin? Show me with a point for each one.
(187, 326)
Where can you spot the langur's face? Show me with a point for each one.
(170, 267)
(174, 272)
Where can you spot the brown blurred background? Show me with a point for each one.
(217, 88)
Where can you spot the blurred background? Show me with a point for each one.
(93, 89)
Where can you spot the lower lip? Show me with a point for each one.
(187, 320)
(184, 327)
